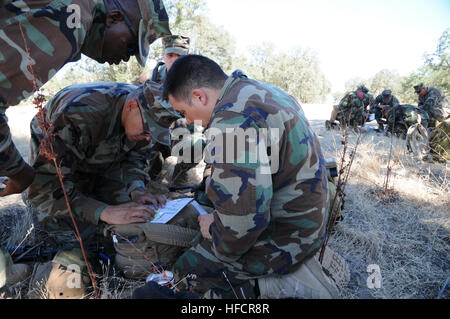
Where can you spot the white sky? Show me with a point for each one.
(353, 38)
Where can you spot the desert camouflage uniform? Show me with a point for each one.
(435, 104)
(100, 165)
(264, 223)
(380, 108)
(53, 39)
(352, 110)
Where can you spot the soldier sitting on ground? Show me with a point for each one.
(402, 116)
(102, 133)
(269, 220)
(381, 106)
(352, 109)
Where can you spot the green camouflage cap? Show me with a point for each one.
(176, 44)
(386, 93)
(418, 87)
(158, 114)
(153, 25)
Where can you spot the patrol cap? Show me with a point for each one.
(176, 44)
(418, 87)
(157, 114)
(154, 24)
(363, 88)
(386, 93)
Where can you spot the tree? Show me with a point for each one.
(297, 72)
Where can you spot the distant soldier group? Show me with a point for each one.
(355, 109)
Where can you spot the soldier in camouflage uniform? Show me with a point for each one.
(102, 132)
(48, 34)
(266, 220)
(402, 116)
(352, 109)
(184, 136)
(433, 102)
(381, 106)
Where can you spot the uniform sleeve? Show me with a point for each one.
(431, 100)
(70, 144)
(240, 188)
(42, 39)
(134, 167)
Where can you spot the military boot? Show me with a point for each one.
(54, 281)
(307, 282)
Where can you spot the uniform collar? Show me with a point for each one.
(235, 77)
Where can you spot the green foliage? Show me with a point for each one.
(296, 71)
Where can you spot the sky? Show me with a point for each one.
(352, 38)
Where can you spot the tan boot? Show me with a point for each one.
(335, 266)
(54, 281)
(308, 282)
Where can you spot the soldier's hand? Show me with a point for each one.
(147, 198)
(126, 214)
(205, 222)
(18, 182)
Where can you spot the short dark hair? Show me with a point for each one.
(190, 72)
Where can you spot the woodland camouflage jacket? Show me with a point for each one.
(273, 219)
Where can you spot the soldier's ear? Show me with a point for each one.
(198, 96)
(113, 16)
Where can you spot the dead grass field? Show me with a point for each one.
(406, 234)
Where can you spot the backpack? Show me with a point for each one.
(140, 247)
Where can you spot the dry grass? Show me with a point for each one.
(406, 233)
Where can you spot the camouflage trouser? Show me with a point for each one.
(379, 116)
(351, 117)
(198, 268)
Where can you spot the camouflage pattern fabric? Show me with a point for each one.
(51, 44)
(176, 44)
(100, 165)
(265, 221)
(353, 110)
(435, 104)
(440, 141)
(55, 34)
(380, 107)
(403, 116)
(159, 73)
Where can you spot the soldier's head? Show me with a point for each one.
(387, 96)
(174, 47)
(147, 117)
(420, 89)
(361, 90)
(193, 85)
(130, 28)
